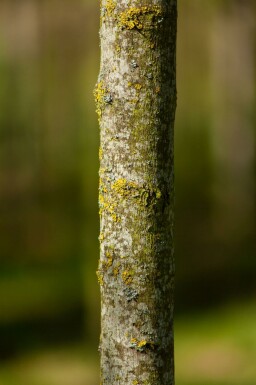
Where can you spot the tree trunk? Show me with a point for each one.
(136, 102)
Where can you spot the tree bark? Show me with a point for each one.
(136, 101)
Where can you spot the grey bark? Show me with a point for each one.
(136, 102)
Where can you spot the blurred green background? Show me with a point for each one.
(49, 137)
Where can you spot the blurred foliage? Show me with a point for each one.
(213, 348)
(49, 62)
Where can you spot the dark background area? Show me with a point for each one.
(49, 138)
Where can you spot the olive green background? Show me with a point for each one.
(49, 137)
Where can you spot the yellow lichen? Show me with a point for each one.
(102, 97)
(134, 101)
(116, 270)
(128, 189)
(102, 188)
(135, 382)
(115, 217)
(101, 200)
(132, 18)
(102, 170)
(127, 277)
(138, 86)
(119, 186)
(109, 195)
(110, 6)
(142, 343)
(100, 277)
(101, 237)
(100, 153)
(108, 207)
(108, 10)
(118, 48)
(109, 262)
(99, 94)
(123, 187)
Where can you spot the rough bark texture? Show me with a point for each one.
(136, 101)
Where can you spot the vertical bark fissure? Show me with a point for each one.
(136, 102)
